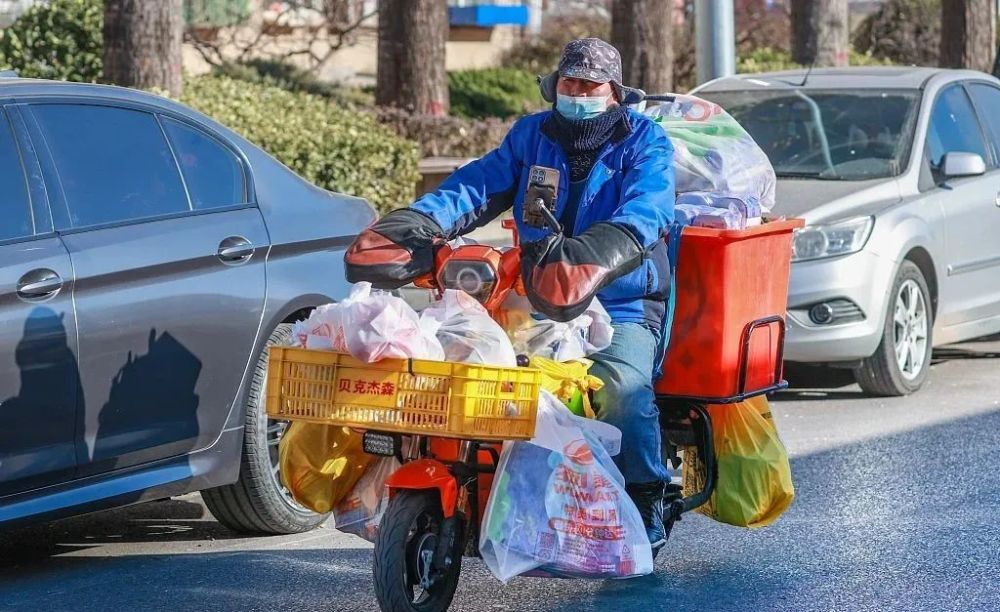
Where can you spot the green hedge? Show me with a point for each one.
(340, 150)
(60, 40)
(493, 92)
(773, 60)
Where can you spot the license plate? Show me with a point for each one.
(383, 444)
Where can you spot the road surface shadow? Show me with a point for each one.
(173, 520)
(872, 527)
(980, 348)
(807, 382)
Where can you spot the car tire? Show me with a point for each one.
(901, 363)
(258, 503)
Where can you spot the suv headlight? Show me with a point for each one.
(819, 241)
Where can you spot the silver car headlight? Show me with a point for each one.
(819, 241)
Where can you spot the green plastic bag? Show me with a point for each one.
(754, 485)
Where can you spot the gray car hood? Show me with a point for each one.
(822, 201)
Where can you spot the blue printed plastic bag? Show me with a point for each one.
(559, 507)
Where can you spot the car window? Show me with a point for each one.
(213, 174)
(987, 99)
(844, 134)
(953, 127)
(114, 164)
(15, 212)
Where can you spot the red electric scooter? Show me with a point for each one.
(438, 496)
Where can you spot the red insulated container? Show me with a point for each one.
(728, 331)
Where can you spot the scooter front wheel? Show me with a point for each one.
(406, 575)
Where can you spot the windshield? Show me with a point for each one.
(842, 134)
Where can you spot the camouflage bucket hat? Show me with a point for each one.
(590, 59)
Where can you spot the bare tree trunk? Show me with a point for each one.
(820, 32)
(142, 43)
(968, 34)
(411, 55)
(642, 30)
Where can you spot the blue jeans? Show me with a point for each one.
(627, 401)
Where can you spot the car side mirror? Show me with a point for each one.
(959, 163)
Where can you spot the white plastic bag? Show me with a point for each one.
(712, 151)
(370, 325)
(360, 512)
(585, 335)
(324, 329)
(717, 217)
(559, 507)
(722, 210)
(467, 333)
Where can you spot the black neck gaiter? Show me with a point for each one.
(582, 139)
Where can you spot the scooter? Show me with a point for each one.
(439, 494)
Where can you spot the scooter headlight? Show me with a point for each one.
(477, 278)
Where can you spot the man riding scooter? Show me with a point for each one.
(604, 174)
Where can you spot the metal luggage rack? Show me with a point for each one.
(685, 421)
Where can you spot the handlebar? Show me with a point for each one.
(550, 219)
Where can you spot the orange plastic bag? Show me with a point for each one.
(754, 485)
(320, 464)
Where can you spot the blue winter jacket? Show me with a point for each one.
(631, 184)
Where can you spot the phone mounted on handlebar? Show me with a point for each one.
(540, 198)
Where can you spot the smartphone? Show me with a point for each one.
(542, 192)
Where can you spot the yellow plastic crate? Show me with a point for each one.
(412, 396)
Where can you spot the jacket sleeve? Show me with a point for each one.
(646, 207)
(479, 191)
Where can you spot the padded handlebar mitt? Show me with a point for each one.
(562, 275)
(394, 250)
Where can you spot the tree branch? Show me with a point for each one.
(334, 33)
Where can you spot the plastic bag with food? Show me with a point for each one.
(466, 331)
(370, 325)
(589, 333)
(558, 505)
(712, 151)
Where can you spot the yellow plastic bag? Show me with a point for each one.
(569, 381)
(754, 485)
(320, 464)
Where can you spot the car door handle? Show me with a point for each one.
(41, 283)
(996, 200)
(234, 249)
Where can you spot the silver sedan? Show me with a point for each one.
(897, 173)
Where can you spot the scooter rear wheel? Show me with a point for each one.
(405, 577)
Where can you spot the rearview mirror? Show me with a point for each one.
(959, 163)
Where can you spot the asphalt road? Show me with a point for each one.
(897, 508)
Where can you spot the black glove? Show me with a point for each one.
(394, 250)
(562, 275)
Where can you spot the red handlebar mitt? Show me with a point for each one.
(394, 250)
(562, 275)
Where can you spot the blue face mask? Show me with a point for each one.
(577, 108)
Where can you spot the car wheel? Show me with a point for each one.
(259, 502)
(902, 361)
